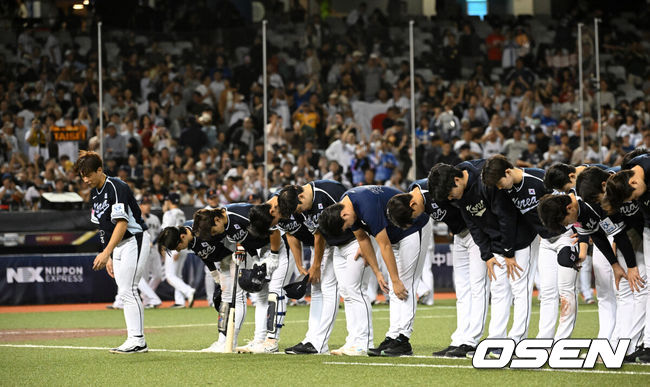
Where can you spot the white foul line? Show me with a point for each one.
(470, 367)
(92, 348)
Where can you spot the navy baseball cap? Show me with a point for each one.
(173, 197)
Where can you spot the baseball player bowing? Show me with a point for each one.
(211, 252)
(557, 252)
(125, 244)
(470, 280)
(508, 245)
(363, 210)
(233, 222)
(631, 293)
(304, 204)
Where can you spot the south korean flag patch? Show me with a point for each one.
(320, 206)
(531, 191)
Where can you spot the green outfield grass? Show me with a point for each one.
(174, 335)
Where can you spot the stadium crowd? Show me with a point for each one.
(190, 121)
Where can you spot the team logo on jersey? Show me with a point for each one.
(237, 227)
(375, 189)
(531, 191)
(477, 209)
(437, 213)
(629, 208)
(100, 208)
(206, 250)
(311, 222)
(526, 203)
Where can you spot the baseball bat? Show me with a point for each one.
(230, 328)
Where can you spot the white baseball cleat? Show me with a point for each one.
(350, 351)
(216, 347)
(190, 298)
(131, 345)
(249, 347)
(267, 346)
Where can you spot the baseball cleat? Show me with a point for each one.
(384, 345)
(177, 306)
(266, 346)
(349, 351)
(301, 349)
(444, 351)
(248, 347)
(631, 358)
(131, 345)
(495, 353)
(460, 351)
(400, 347)
(216, 347)
(190, 299)
(151, 306)
(643, 356)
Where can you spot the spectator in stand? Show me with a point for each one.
(531, 157)
(494, 43)
(114, 145)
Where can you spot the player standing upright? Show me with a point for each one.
(470, 281)
(174, 261)
(126, 245)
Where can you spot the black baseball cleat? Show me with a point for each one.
(643, 356)
(460, 351)
(384, 345)
(400, 347)
(631, 358)
(131, 345)
(444, 351)
(301, 349)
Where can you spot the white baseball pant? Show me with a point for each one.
(472, 287)
(585, 278)
(324, 305)
(226, 275)
(630, 306)
(519, 290)
(605, 293)
(173, 274)
(129, 259)
(425, 286)
(409, 258)
(352, 276)
(646, 257)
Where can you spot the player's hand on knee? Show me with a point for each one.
(357, 255)
(619, 273)
(513, 268)
(302, 270)
(636, 282)
(109, 268)
(272, 260)
(216, 297)
(314, 274)
(399, 289)
(383, 285)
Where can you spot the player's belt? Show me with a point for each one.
(553, 239)
(463, 233)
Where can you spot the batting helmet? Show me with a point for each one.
(252, 280)
(296, 290)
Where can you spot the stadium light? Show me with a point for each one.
(86, 2)
(78, 6)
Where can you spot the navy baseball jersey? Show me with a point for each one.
(369, 202)
(494, 222)
(326, 193)
(294, 226)
(440, 211)
(211, 251)
(112, 202)
(526, 196)
(236, 229)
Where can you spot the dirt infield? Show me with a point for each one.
(13, 335)
(165, 304)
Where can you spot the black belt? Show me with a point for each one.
(463, 233)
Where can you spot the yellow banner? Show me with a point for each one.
(69, 133)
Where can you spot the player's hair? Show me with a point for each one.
(260, 220)
(552, 211)
(618, 189)
(330, 222)
(630, 155)
(169, 238)
(204, 221)
(441, 180)
(557, 176)
(589, 184)
(399, 210)
(87, 163)
(288, 200)
(494, 169)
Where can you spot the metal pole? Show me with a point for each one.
(600, 122)
(582, 129)
(265, 109)
(411, 174)
(101, 93)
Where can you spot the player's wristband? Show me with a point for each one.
(215, 275)
(275, 251)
